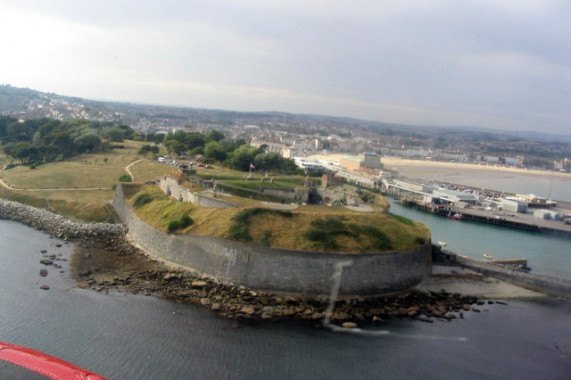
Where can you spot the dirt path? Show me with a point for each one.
(128, 167)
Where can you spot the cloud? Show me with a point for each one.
(501, 64)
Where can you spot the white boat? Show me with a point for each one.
(488, 256)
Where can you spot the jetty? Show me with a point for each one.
(479, 207)
(510, 271)
(510, 220)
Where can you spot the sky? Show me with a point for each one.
(500, 64)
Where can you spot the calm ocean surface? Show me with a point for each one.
(546, 254)
(123, 336)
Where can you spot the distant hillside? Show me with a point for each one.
(27, 103)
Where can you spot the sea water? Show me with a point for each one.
(124, 336)
(546, 254)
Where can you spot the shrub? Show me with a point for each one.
(143, 199)
(239, 229)
(125, 178)
(323, 233)
(183, 222)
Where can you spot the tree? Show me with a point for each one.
(23, 151)
(274, 162)
(213, 150)
(145, 149)
(214, 135)
(175, 146)
(87, 143)
(241, 158)
(114, 134)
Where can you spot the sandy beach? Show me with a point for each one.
(397, 162)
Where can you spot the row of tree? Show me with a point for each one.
(38, 141)
(235, 154)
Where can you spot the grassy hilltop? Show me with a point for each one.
(320, 228)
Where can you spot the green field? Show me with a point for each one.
(80, 187)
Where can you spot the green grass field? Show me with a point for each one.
(80, 188)
(149, 170)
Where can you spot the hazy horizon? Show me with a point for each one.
(500, 65)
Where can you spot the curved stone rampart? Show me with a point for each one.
(279, 269)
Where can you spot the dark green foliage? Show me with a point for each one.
(272, 161)
(215, 151)
(379, 239)
(265, 239)
(125, 178)
(241, 158)
(402, 219)
(214, 135)
(146, 149)
(323, 233)
(183, 222)
(239, 229)
(46, 140)
(142, 199)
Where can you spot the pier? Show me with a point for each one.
(508, 271)
(413, 197)
(510, 220)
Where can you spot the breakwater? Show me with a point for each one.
(54, 224)
(509, 273)
(279, 270)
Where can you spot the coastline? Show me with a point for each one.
(105, 260)
(391, 162)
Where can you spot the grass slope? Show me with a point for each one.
(365, 232)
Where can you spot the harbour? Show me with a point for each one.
(484, 206)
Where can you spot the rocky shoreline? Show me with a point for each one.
(115, 265)
(54, 224)
(106, 261)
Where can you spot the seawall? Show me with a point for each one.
(279, 270)
(54, 224)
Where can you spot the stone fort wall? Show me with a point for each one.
(279, 270)
(171, 187)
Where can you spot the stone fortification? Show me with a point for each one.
(54, 224)
(279, 269)
(175, 190)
